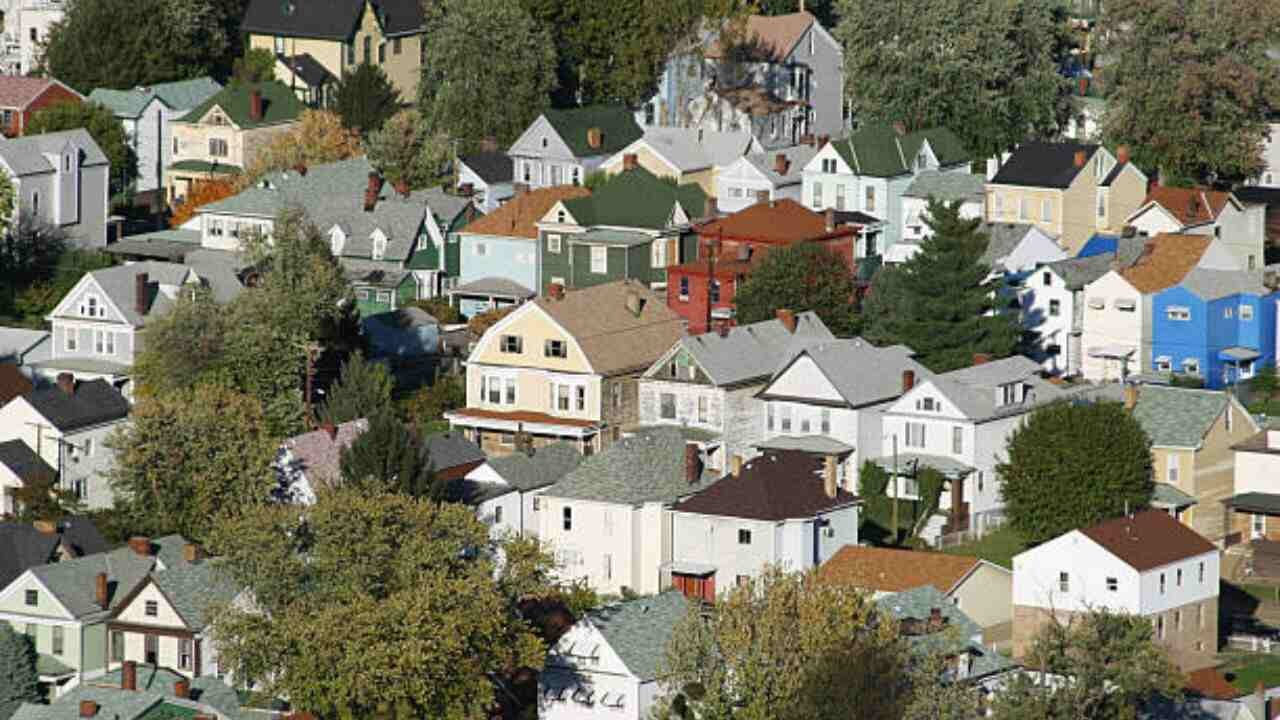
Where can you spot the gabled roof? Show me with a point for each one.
(318, 455)
(1178, 417)
(1002, 239)
(1189, 206)
(179, 95)
(1165, 261)
(775, 486)
(947, 186)
(956, 634)
(17, 91)
(492, 167)
(23, 462)
(690, 149)
(1148, 539)
(893, 570)
(617, 123)
(193, 588)
(1077, 272)
(1044, 164)
(119, 283)
(451, 449)
(773, 36)
(862, 373)
(307, 69)
(646, 467)
(751, 352)
(545, 467)
(73, 582)
(638, 630)
(1210, 284)
(279, 105)
(878, 150)
(153, 700)
(613, 338)
(92, 402)
(26, 155)
(328, 19)
(797, 157)
(12, 383)
(520, 215)
(781, 222)
(973, 389)
(636, 198)
(22, 547)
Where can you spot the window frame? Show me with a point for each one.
(151, 608)
(599, 259)
(744, 536)
(505, 344)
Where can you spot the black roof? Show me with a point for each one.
(1043, 164)
(1257, 195)
(23, 461)
(493, 167)
(328, 19)
(23, 547)
(307, 69)
(93, 402)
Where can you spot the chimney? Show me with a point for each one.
(935, 619)
(192, 552)
(140, 545)
(823, 140)
(900, 127)
(908, 380)
(787, 318)
(556, 291)
(182, 689)
(129, 676)
(300, 168)
(829, 487)
(595, 138)
(402, 187)
(1130, 396)
(140, 294)
(781, 164)
(88, 708)
(630, 161)
(710, 209)
(1122, 154)
(375, 182)
(692, 464)
(830, 216)
(1083, 86)
(489, 144)
(255, 105)
(1081, 158)
(330, 429)
(45, 527)
(67, 383)
(981, 358)
(100, 594)
(735, 465)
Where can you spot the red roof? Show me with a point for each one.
(521, 416)
(782, 222)
(1148, 539)
(1191, 206)
(17, 91)
(12, 383)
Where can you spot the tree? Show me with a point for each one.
(40, 498)
(800, 277)
(440, 309)
(257, 65)
(388, 457)
(1190, 85)
(403, 589)
(429, 404)
(29, 251)
(186, 348)
(365, 98)
(1265, 384)
(102, 125)
(487, 71)
(19, 682)
(202, 193)
(319, 137)
(1072, 465)
(823, 10)
(941, 302)
(189, 456)
(480, 323)
(405, 151)
(993, 81)
(363, 389)
(1109, 666)
(934, 696)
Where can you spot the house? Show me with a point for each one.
(563, 147)
(19, 467)
(707, 384)
(776, 174)
(946, 187)
(1201, 211)
(22, 347)
(64, 606)
(1268, 198)
(68, 424)
(702, 288)
(26, 29)
(140, 693)
(871, 169)
(487, 177)
(686, 155)
(1015, 249)
(146, 114)
(610, 662)
(24, 546)
(609, 521)
(980, 589)
(1192, 433)
(1118, 317)
(932, 624)
(1217, 325)
(1253, 510)
(1269, 177)
(220, 137)
(630, 228)
(311, 461)
(564, 368)
(61, 179)
(1146, 564)
(1070, 190)
(499, 254)
(829, 395)
(21, 97)
(505, 491)
(340, 35)
(451, 456)
(784, 508)
(310, 80)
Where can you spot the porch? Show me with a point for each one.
(501, 433)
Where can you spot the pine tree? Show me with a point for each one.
(388, 457)
(18, 680)
(363, 389)
(365, 98)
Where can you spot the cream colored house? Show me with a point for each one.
(684, 154)
(1069, 190)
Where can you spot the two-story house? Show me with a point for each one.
(145, 114)
(222, 136)
(706, 384)
(26, 29)
(562, 147)
(1201, 211)
(340, 35)
(1070, 190)
(21, 97)
(686, 155)
(61, 179)
(1145, 564)
(775, 174)
(1253, 510)
(609, 521)
(68, 424)
(871, 169)
(784, 508)
(564, 367)
(506, 491)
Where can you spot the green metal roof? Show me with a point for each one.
(280, 105)
(636, 199)
(1178, 417)
(179, 95)
(617, 124)
(879, 151)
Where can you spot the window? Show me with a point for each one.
(379, 248)
(175, 146)
(616, 391)
(32, 598)
(1064, 582)
(1009, 394)
(839, 197)
(395, 46)
(1178, 312)
(1201, 572)
(279, 43)
(1126, 305)
(702, 409)
(714, 291)
(1097, 303)
(1024, 209)
(151, 609)
(480, 249)
(58, 640)
(1200, 615)
(560, 397)
(351, 54)
(368, 50)
(1102, 203)
(1046, 210)
(88, 447)
(1055, 308)
(1113, 584)
(512, 344)
(1046, 279)
(510, 387)
(915, 435)
(1227, 313)
(785, 418)
(667, 406)
(494, 387)
(829, 165)
(817, 195)
(608, 566)
(804, 425)
(35, 204)
(744, 537)
(1162, 583)
(870, 204)
(1172, 474)
(71, 339)
(567, 518)
(997, 203)
(768, 422)
(658, 254)
(957, 440)
(117, 646)
(1177, 578)
(217, 147)
(184, 654)
(1191, 366)
(151, 650)
(684, 289)
(1246, 313)
(104, 342)
(1160, 626)
(599, 259)
(555, 348)
(382, 53)
(580, 398)
(826, 421)
(1163, 364)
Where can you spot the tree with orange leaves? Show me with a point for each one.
(319, 137)
(202, 192)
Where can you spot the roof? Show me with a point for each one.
(1178, 417)
(92, 402)
(219, 270)
(280, 105)
(17, 91)
(862, 373)
(973, 389)
(751, 352)
(451, 449)
(307, 69)
(170, 244)
(12, 382)
(179, 95)
(1258, 443)
(646, 467)
(16, 342)
(1258, 195)
(637, 198)
(1148, 539)
(23, 547)
(1189, 206)
(492, 167)
(638, 630)
(782, 222)
(1044, 164)
(73, 582)
(774, 36)
(892, 570)
(947, 186)
(493, 286)
(775, 486)
(612, 337)
(1166, 496)
(691, 149)
(956, 635)
(1002, 238)
(607, 236)
(1080, 271)
(547, 465)
(328, 19)
(1214, 284)
(519, 216)
(617, 124)
(879, 151)
(319, 456)
(154, 699)
(1165, 261)
(26, 155)
(23, 462)
(797, 157)
(193, 588)
(119, 283)
(815, 444)
(1255, 502)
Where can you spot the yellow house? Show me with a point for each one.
(1069, 190)
(687, 155)
(338, 35)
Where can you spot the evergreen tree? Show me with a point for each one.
(362, 391)
(940, 302)
(388, 457)
(18, 680)
(365, 98)
(800, 277)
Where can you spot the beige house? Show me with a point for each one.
(1069, 190)
(339, 35)
(564, 367)
(687, 155)
(222, 136)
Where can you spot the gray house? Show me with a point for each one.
(61, 179)
(562, 147)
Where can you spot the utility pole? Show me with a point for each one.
(895, 488)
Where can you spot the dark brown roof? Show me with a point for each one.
(775, 486)
(1148, 539)
(892, 570)
(12, 383)
(522, 416)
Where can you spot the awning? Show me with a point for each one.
(686, 567)
(1239, 354)
(817, 444)
(1166, 496)
(1254, 502)
(532, 422)
(1113, 352)
(910, 463)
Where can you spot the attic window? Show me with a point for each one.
(151, 609)
(1125, 304)
(379, 247)
(32, 598)
(544, 142)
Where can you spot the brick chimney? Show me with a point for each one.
(67, 383)
(692, 464)
(101, 596)
(1081, 158)
(1122, 154)
(140, 545)
(829, 487)
(787, 318)
(140, 294)
(823, 140)
(981, 358)
(375, 181)
(630, 161)
(762, 196)
(402, 187)
(255, 105)
(781, 164)
(182, 689)
(555, 291)
(935, 619)
(88, 708)
(330, 429)
(370, 200)
(489, 144)
(722, 328)
(1083, 86)
(595, 138)
(830, 216)
(129, 676)
(519, 188)
(908, 380)
(192, 552)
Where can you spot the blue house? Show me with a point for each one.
(1099, 244)
(1219, 325)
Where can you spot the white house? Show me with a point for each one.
(771, 175)
(487, 177)
(948, 187)
(506, 491)
(61, 179)
(609, 663)
(1145, 564)
(562, 147)
(26, 30)
(1199, 211)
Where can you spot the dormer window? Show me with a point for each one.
(379, 246)
(1010, 393)
(336, 241)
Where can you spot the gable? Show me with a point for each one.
(535, 327)
(1154, 218)
(1035, 248)
(1110, 286)
(586, 650)
(13, 599)
(530, 143)
(1218, 257)
(803, 379)
(556, 213)
(742, 169)
(679, 355)
(927, 389)
(88, 286)
(216, 116)
(828, 152)
(135, 610)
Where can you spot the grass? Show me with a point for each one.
(998, 546)
(1246, 671)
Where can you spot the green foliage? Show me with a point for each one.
(7, 203)
(938, 302)
(365, 98)
(28, 253)
(1265, 384)
(1073, 465)
(998, 546)
(488, 70)
(255, 66)
(405, 150)
(388, 457)
(800, 277)
(102, 125)
(40, 498)
(18, 680)
(440, 309)
(363, 390)
(429, 404)
(824, 10)
(873, 480)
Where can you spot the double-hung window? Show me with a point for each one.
(58, 640)
(599, 259)
(667, 406)
(702, 409)
(512, 344)
(816, 199)
(555, 348)
(826, 421)
(870, 204)
(493, 387)
(785, 415)
(580, 398)
(915, 434)
(217, 147)
(957, 440)
(184, 654)
(510, 386)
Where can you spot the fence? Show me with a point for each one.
(1253, 643)
(984, 525)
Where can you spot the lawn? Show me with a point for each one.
(1247, 670)
(997, 547)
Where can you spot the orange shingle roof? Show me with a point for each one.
(1165, 261)
(1211, 683)
(773, 35)
(888, 570)
(1191, 206)
(782, 221)
(519, 217)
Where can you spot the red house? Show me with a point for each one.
(702, 290)
(21, 97)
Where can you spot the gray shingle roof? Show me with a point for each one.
(862, 373)
(155, 689)
(219, 270)
(22, 547)
(639, 630)
(646, 467)
(797, 156)
(23, 462)
(974, 389)
(694, 149)
(499, 286)
(947, 186)
(119, 284)
(957, 634)
(451, 449)
(1002, 239)
(751, 352)
(72, 582)
(94, 402)
(192, 588)
(26, 155)
(1078, 272)
(1214, 284)
(548, 465)
(1178, 417)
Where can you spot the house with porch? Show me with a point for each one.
(563, 147)
(776, 174)
(564, 367)
(60, 179)
(1201, 211)
(1252, 513)
(686, 155)
(707, 384)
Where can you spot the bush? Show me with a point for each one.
(439, 309)
(429, 404)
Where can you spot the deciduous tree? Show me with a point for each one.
(102, 125)
(429, 404)
(365, 98)
(19, 682)
(404, 149)
(388, 457)
(255, 66)
(800, 277)
(28, 250)
(318, 138)
(202, 193)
